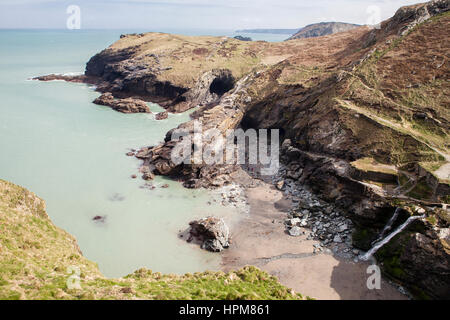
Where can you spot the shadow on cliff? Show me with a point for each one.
(349, 280)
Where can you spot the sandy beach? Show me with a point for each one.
(260, 239)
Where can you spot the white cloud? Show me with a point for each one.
(217, 14)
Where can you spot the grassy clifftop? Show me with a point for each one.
(36, 258)
(182, 60)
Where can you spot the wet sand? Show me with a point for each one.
(260, 239)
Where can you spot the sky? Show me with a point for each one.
(193, 14)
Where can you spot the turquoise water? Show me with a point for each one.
(57, 143)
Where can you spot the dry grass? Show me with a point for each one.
(369, 164)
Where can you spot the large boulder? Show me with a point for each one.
(212, 232)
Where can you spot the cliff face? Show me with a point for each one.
(322, 29)
(37, 259)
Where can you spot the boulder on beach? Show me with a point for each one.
(162, 115)
(212, 232)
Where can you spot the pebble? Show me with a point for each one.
(295, 231)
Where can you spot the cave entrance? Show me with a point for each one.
(252, 123)
(222, 84)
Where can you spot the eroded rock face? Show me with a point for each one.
(128, 105)
(414, 15)
(209, 88)
(212, 232)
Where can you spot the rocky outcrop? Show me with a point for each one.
(68, 78)
(212, 232)
(124, 75)
(147, 69)
(211, 86)
(410, 16)
(322, 29)
(224, 116)
(405, 19)
(162, 115)
(128, 105)
(420, 257)
(98, 64)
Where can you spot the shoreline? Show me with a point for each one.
(260, 239)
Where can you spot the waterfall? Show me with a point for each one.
(388, 226)
(381, 243)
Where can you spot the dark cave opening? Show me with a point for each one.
(222, 84)
(252, 123)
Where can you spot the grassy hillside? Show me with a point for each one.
(36, 257)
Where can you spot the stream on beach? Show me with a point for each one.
(58, 144)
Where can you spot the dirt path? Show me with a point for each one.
(259, 239)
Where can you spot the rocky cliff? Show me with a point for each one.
(363, 115)
(322, 29)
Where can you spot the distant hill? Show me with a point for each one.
(322, 29)
(273, 31)
(243, 38)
